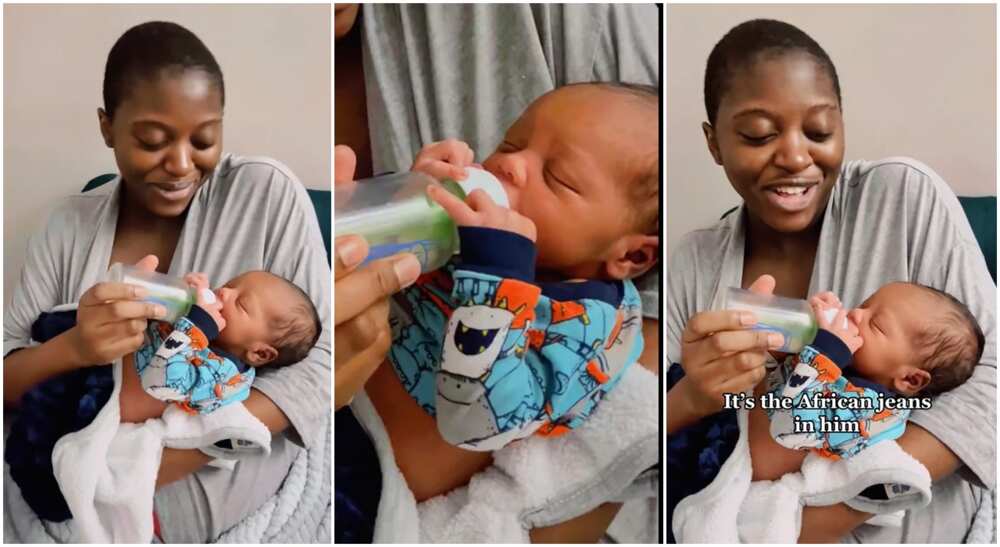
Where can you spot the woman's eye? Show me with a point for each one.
(202, 145)
(819, 136)
(150, 145)
(757, 140)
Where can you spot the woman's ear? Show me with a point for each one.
(632, 255)
(912, 381)
(104, 121)
(260, 354)
(710, 140)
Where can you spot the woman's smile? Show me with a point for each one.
(791, 195)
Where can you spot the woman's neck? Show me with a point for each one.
(789, 258)
(766, 242)
(139, 233)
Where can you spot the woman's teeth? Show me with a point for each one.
(791, 190)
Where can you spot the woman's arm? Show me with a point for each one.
(177, 464)
(829, 524)
(586, 528)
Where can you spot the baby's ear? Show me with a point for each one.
(260, 354)
(632, 255)
(912, 381)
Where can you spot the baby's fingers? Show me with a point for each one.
(455, 207)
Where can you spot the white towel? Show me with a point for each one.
(107, 470)
(733, 510)
(539, 481)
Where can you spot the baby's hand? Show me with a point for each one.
(205, 298)
(839, 325)
(444, 159)
(478, 209)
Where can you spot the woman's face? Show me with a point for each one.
(167, 137)
(779, 135)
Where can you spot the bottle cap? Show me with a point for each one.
(484, 180)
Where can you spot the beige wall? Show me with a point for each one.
(276, 64)
(917, 81)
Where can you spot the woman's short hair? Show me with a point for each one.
(145, 50)
(745, 44)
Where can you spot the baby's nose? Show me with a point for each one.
(855, 315)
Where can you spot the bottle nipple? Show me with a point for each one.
(484, 180)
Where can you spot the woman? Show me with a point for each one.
(179, 198)
(811, 222)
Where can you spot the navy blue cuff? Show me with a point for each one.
(611, 292)
(203, 321)
(497, 252)
(833, 347)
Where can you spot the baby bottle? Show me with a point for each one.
(790, 317)
(170, 292)
(394, 214)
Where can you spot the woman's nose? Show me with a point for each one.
(792, 154)
(178, 162)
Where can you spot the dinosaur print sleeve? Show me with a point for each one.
(176, 365)
(520, 357)
(832, 415)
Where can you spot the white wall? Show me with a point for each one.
(916, 80)
(276, 64)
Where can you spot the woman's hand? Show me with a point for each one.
(361, 300)
(720, 354)
(445, 159)
(111, 320)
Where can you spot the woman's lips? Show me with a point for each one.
(791, 197)
(173, 191)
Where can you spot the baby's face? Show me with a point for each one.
(251, 304)
(890, 323)
(565, 163)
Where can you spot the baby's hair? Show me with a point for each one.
(951, 346)
(747, 43)
(644, 192)
(298, 331)
(145, 50)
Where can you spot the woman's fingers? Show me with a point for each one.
(744, 380)
(107, 291)
(148, 263)
(121, 310)
(360, 332)
(344, 162)
(350, 250)
(763, 285)
(727, 342)
(349, 377)
(705, 323)
(381, 278)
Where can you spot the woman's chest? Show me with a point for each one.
(430, 465)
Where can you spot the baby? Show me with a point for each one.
(906, 340)
(537, 320)
(207, 359)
